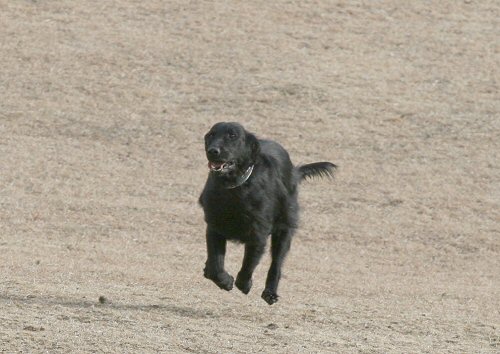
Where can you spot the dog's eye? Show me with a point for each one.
(209, 135)
(232, 135)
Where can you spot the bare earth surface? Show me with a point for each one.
(103, 106)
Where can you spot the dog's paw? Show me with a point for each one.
(270, 297)
(222, 280)
(244, 284)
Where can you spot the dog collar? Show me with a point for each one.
(242, 179)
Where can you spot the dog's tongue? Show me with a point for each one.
(215, 165)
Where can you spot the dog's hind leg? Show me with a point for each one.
(214, 267)
(280, 245)
(253, 254)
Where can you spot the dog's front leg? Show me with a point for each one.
(214, 267)
(253, 254)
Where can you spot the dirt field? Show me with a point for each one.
(103, 107)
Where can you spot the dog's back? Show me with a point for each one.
(294, 174)
(277, 158)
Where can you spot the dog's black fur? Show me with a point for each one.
(250, 210)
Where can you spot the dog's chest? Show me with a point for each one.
(235, 215)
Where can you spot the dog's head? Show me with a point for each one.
(230, 148)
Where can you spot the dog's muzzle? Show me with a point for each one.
(220, 166)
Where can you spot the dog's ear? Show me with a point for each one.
(254, 145)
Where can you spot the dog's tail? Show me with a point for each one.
(316, 169)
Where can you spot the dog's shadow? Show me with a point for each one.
(101, 304)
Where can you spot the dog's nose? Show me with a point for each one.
(214, 151)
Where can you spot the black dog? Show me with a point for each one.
(250, 193)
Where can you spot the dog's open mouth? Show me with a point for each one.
(220, 166)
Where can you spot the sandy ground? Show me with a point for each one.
(103, 106)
